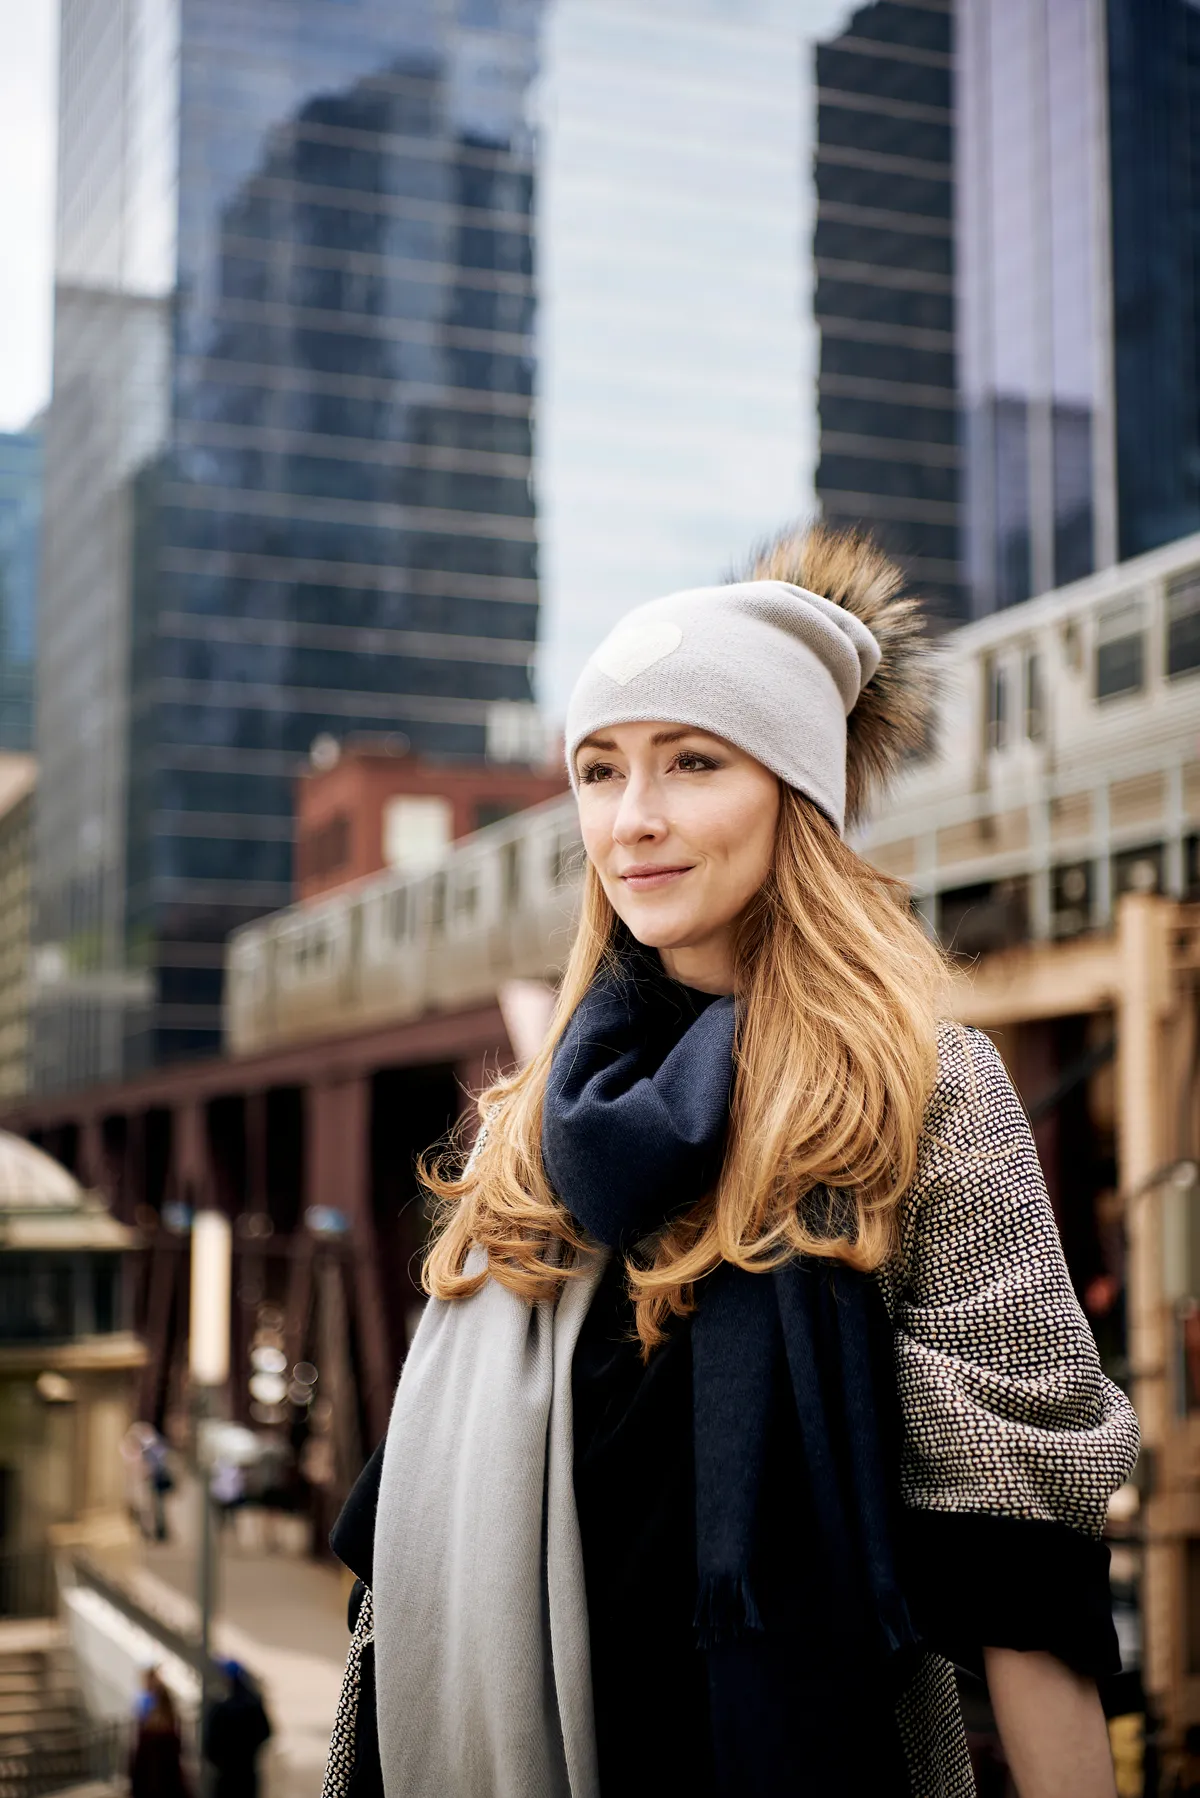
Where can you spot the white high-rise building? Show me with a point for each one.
(676, 401)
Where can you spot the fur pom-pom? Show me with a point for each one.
(894, 709)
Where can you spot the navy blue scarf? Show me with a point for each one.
(636, 1114)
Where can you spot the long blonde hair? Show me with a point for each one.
(839, 993)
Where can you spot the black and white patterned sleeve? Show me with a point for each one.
(1014, 1439)
(352, 1768)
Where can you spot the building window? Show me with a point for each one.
(417, 831)
(1183, 623)
(1120, 650)
(997, 706)
(1035, 703)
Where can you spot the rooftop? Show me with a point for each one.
(42, 1206)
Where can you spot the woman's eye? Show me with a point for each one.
(690, 761)
(595, 771)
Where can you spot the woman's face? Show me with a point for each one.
(680, 827)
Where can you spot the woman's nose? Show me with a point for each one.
(639, 816)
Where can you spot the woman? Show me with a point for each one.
(752, 1391)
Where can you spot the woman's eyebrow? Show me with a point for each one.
(673, 736)
(660, 737)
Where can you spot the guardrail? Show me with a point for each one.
(75, 1756)
(186, 1648)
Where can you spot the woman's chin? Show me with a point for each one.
(658, 933)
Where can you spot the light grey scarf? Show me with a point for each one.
(481, 1634)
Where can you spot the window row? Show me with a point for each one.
(353, 541)
(310, 602)
(416, 363)
(246, 471)
(324, 670)
(376, 293)
(388, 417)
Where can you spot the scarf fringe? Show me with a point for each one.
(726, 1610)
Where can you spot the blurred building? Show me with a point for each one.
(677, 347)
(370, 804)
(885, 304)
(1008, 297)
(18, 784)
(68, 1367)
(1079, 309)
(20, 526)
(287, 463)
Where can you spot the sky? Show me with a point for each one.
(28, 44)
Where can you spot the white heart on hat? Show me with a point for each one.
(633, 648)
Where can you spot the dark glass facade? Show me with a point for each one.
(1079, 309)
(1154, 149)
(20, 526)
(884, 249)
(329, 526)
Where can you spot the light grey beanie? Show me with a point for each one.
(768, 666)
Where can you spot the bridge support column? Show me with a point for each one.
(1145, 1145)
(338, 1175)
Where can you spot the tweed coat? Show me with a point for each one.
(1013, 1438)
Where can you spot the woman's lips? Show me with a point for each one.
(644, 880)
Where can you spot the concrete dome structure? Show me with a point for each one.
(42, 1206)
(31, 1180)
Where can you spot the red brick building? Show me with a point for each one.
(369, 804)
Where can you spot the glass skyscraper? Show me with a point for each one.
(1007, 250)
(288, 461)
(884, 263)
(1079, 227)
(677, 347)
(20, 524)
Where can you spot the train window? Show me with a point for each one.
(1120, 650)
(1183, 623)
(466, 897)
(1138, 871)
(997, 704)
(437, 905)
(566, 860)
(1035, 697)
(397, 914)
(510, 876)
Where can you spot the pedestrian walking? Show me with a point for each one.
(159, 1482)
(236, 1730)
(155, 1762)
(752, 1393)
(227, 1488)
